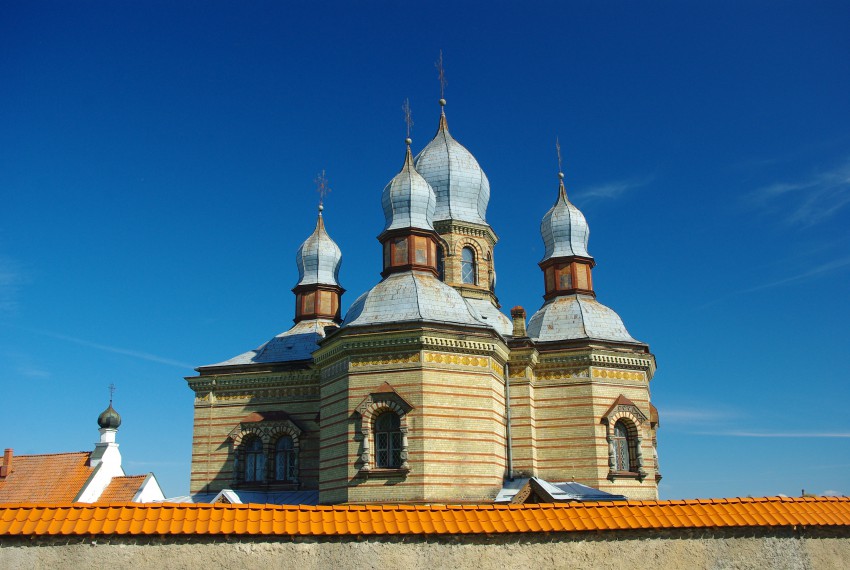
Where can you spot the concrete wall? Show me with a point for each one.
(739, 549)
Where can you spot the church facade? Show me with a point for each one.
(424, 391)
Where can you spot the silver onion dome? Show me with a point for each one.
(462, 188)
(564, 229)
(578, 316)
(318, 258)
(408, 200)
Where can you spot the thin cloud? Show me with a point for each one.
(33, 372)
(693, 415)
(820, 270)
(611, 190)
(118, 350)
(824, 434)
(806, 202)
(11, 278)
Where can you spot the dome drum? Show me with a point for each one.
(567, 276)
(409, 249)
(317, 302)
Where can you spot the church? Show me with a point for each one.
(423, 390)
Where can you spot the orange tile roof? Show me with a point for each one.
(49, 478)
(122, 488)
(347, 520)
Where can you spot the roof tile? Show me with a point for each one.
(199, 519)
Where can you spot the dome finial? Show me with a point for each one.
(561, 190)
(109, 418)
(408, 119)
(322, 188)
(442, 75)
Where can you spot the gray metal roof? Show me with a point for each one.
(564, 229)
(493, 316)
(412, 296)
(408, 200)
(298, 343)
(235, 496)
(555, 492)
(462, 188)
(576, 317)
(318, 259)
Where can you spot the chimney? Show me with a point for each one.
(518, 316)
(6, 468)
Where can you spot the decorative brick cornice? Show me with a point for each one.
(460, 228)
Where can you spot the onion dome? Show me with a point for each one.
(408, 200)
(109, 418)
(564, 229)
(462, 188)
(318, 258)
(412, 296)
(574, 317)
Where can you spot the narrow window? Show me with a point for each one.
(255, 461)
(467, 265)
(622, 459)
(440, 264)
(284, 459)
(566, 279)
(420, 255)
(400, 251)
(388, 441)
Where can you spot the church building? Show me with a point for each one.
(424, 391)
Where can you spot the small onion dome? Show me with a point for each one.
(318, 258)
(564, 229)
(578, 316)
(462, 188)
(109, 418)
(408, 200)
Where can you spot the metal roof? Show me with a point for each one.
(555, 492)
(492, 316)
(408, 200)
(319, 258)
(564, 229)
(462, 188)
(412, 296)
(576, 317)
(298, 343)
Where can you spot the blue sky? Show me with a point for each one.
(156, 174)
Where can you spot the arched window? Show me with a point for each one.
(388, 441)
(624, 452)
(467, 265)
(255, 461)
(284, 459)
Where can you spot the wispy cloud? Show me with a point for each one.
(810, 434)
(809, 201)
(694, 416)
(611, 190)
(11, 277)
(118, 350)
(817, 271)
(32, 372)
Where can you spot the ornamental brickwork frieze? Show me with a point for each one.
(454, 360)
(385, 360)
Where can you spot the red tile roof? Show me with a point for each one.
(348, 520)
(49, 478)
(122, 488)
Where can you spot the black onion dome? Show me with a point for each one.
(109, 418)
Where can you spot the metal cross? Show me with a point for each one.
(407, 118)
(439, 65)
(558, 149)
(322, 186)
(111, 393)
